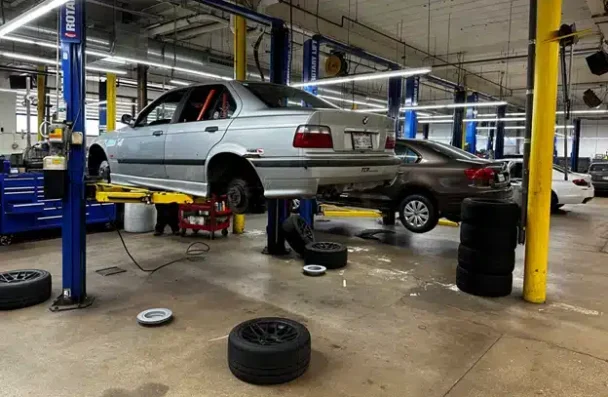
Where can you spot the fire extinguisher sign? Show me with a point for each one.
(71, 21)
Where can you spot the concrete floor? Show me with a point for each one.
(391, 324)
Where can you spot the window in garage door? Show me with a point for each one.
(209, 102)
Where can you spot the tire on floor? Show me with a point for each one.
(269, 350)
(488, 238)
(23, 288)
(483, 284)
(298, 233)
(487, 212)
(328, 254)
(486, 262)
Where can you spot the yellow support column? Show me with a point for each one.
(111, 102)
(41, 108)
(240, 73)
(541, 154)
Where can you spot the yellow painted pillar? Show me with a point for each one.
(541, 153)
(41, 107)
(240, 73)
(111, 102)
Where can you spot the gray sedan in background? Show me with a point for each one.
(249, 140)
(599, 176)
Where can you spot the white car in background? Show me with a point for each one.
(576, 190)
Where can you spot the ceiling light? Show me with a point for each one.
(30, 15)
(380, 110)
(455, 105)
(105, 70)
(428, 121)
(123, 60)
(364, 77)
(30, 41)
(347, 100)
(438, 116)
(50, 61)
(515, 114)
(512, 119)
(179, 82)
(512, 127)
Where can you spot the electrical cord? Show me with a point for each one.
(191, 253)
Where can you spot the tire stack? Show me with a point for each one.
(486, 255)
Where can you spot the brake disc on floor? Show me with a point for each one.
(154, 316)
(314, 270)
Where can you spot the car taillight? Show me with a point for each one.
(390, 142)
(313, 136)
(483, 175)
(580, 182)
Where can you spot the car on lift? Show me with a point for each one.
(599, 176)
(577, 189)
(248, 140)
(434, 178)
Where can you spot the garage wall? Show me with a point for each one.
(8, 124)
(443, 133)
(594, 139)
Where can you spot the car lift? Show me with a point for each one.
(72, 51)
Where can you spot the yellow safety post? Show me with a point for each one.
(111, 102)
(41, 108)
(541, 153)
(240, 73)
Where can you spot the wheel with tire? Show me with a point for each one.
(330, 255)
(488, 238)
(6, 240)
(487, 212)
(483, 284)
(104, 171)
(418, 214)
(555, 206)
(486, 262)
(388, 218)
(240, 195)
(269, 350)
(23, 288)
(298, 233)
(224, 232)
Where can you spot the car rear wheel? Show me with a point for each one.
(418, 214)
(240, 195)
(554, 202)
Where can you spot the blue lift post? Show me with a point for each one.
(410, 123)
(73, 43)
(103, 106)
(460, 96)
(490, 145)
(576, 145)
(499, 147)
(471, 127)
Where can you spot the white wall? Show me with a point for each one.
(443, 133)
(594, 139)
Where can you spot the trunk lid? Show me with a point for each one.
(355, 132)
(502, 178)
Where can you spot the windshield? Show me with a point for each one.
(598, 167)
(452, 151)
(282, 96)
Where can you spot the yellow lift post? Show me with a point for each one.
(240, 74)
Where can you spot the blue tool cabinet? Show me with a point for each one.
(24, 209)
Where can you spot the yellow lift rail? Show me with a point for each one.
(349, 212)
(111, 193)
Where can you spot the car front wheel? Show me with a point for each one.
(239, 194)
(418, 214)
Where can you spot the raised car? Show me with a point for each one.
(249, 140)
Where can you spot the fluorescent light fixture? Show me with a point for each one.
(590, 111)
(455, 105)
(365, 77)
(381, 110)
(348, 100)
(30, 41)
(30, 15)
(515, 114)
(512, 127)
(179, 82)
(49, 61)
(506, 120)
(563, 127)
(438, 116)
(439, 121)
(123, 60)
(105, 70)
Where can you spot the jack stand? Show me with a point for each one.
(277, 213)
(64, 303)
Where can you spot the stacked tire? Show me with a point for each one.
(486, 255)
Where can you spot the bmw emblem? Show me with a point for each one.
(366, 120)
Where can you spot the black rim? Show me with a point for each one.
(269, 332)
(18, 276)
(305, 229)
(326, 246)
(235, 196)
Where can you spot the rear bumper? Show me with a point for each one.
(306, 176)
(600, 186)
(580, 196)
(451, 204)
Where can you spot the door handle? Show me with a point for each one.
(212, 129)
(158, 133)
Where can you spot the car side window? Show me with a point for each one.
(162, 110)
(407, 155)
(210, 102)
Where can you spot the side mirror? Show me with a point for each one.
(127, 119)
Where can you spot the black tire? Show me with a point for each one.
(330, 255)
(270, 350)
(487, 212)
(6, 240)
(487, 238)
(224, 232)
(555, 206)
(389, 217)
(23, 288)
(240, 195)
(424, 210)
(483, 284)
(298, 233)
(486, 262)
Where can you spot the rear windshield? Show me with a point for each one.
(282, 96)
(598, 167)
(451, 151)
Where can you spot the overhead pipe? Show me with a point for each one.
(182, 23)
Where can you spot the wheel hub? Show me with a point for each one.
(235, 196)
(416, 213)
(269, 332)
(15, 277)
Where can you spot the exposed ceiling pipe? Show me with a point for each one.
(133, 12)
(194, 32)
(182, 23)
